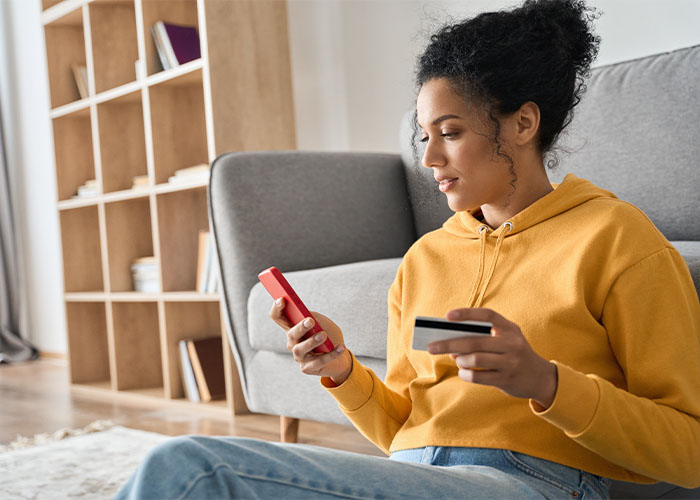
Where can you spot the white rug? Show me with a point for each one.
(93, 465)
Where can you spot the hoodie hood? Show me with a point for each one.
(570, 193)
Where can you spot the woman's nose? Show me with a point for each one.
(432, 157)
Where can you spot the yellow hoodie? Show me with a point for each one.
(594, 287)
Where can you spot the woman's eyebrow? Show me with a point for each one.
(442, 119)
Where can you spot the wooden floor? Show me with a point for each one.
(36, 397)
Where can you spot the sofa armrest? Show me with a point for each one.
(301, 210)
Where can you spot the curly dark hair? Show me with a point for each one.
(497, 61)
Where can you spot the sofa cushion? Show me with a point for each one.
(361, 312)
(690, 251)
(277, 386)
(632, 134)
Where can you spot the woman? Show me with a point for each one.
(591, 369)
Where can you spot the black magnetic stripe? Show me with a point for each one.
(461, 327)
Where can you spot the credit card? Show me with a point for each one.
(428, 329)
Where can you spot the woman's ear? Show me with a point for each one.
(527, 123)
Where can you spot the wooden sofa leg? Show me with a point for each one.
(289, 429)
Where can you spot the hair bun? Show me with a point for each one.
(568, 26)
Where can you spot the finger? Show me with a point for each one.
(277, 314)
(303, 348)
(465, 345)
(481, 377)
(480, 360)
(477, 314)
(299, 330)
(318, 362)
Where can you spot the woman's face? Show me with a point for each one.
(457, 147)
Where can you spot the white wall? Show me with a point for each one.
(29, 141)
(352, 63)
(353, 60)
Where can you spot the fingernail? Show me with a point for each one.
(278, 302)
(319, 337)
(340, 348)
(308, 322)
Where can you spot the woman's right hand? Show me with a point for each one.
(336, 364)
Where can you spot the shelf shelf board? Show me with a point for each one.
(190, 297)
(171, 187)
(117, 92)
(166, 76)
(85, 297)
(130, 194)
(80, 108)
(133, 296)
(78, 202)
(61, 10)
(126, 194)
(186, 296)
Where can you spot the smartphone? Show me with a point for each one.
(428, 329)
(277, 285)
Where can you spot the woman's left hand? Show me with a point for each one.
(503, 359)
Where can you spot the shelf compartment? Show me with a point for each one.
(65, 46)
(87, 342)
(182, 12)
(137, 346)
(46, 4)
(129, 237)
(82, 254)
(178, 124)
(122, 141)
(72, 137)
(186, 320)
(181, 215)
(114, 43)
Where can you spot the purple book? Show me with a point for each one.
(184, 41)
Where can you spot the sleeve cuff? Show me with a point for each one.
(575, 401)
(355, 391)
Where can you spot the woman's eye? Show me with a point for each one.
(424, 139)
(448, 134)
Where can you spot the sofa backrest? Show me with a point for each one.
(634, 133)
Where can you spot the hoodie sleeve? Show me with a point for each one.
(376, 409)
(651, 427)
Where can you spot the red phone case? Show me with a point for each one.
(277, 285)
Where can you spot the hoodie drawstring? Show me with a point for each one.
(483, 230)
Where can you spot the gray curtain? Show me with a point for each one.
(12, 346)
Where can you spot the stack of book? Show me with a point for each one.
(197, 173)
(202, 363)
(140, 181)
(176, 44)
(88, 189)
(144, 271)
(208, 279)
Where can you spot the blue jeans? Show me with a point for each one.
(229, 467)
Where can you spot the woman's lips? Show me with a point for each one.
(448, 184)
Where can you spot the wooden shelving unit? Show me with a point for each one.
(141, 120)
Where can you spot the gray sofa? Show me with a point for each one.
(337, 224)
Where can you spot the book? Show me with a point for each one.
(145, 274)
(211, 259)
(214, 278)
(189, 383)
(176, 44)
(158, 32)
(81, 81)
(201, 258)
(207, 359)
(140, 181)
(191, 174)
